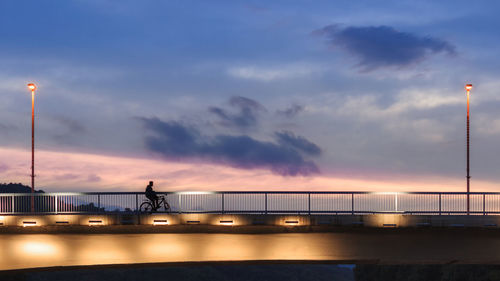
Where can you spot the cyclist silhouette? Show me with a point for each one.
(154, 202)
(151, 195)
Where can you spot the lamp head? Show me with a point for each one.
(32, 86)
(468, 87)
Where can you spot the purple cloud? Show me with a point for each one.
(245, 117)
(286, 157)
(383, 46)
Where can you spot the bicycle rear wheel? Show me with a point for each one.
(146, 207)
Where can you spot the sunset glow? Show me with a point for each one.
(112, 173)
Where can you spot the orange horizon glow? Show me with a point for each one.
(113, 173)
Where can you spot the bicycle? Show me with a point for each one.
(148, 206)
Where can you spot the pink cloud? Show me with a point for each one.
(64, 171)
(3, 168)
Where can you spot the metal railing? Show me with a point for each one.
(256, 202)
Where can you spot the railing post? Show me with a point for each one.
(180, 203)
(484, 204)
(265, 203)
(13, 205)
(98, 202)
(396, 202)
(309, 202)
(55, 202)
(137, 211)
(439, 203)
(223, 203)
(352, 203)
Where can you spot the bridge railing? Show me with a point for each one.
(439, 203)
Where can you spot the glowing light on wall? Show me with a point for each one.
(29, 223)
(389, 225)
(291, 222)
(93, 222)
(226, 222)
(160, 222)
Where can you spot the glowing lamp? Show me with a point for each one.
(226, 222)
(93, 222)
(468, 87)
(29, 223)
(32, 86)
(160, 222)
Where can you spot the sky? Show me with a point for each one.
(250, 95)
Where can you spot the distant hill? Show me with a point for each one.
(16, 188)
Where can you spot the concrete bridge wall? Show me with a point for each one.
(377, 220)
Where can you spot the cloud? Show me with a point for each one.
(6, 128)
(93, 178)
(287, 138)
(246, 116)
(177, 141)
(368, 107)
(66, 177)
(67, 130)
(383, 46)
(3, 168)
(272, 73)
(72, 125)
(291, 111)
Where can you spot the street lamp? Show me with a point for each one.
(32, 87)
(468, 87)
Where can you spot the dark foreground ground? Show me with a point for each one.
(282, 272)
(191, 273)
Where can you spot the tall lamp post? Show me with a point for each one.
(32, 87)
(468, 87)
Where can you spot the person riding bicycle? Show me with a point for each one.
(151, 194)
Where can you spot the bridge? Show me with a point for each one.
(218, 227)
(440, 203)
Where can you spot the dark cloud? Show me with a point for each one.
(287, 138)
(173, 139)
(245, 117)
(291, 111)
(286, 157)
(383, 46)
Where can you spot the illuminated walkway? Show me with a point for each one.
(422, 246)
